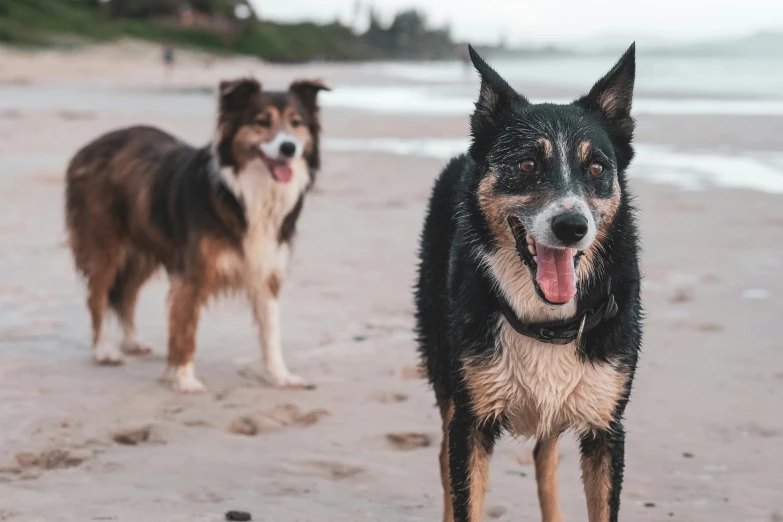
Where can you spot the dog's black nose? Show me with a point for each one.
(287, 149)
(569, 228)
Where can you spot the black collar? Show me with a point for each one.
(560, 332)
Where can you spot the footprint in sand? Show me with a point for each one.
(390, 397)
(29, 465)
(336, 470)
(410, 373)
(277, 418)
(49, 459)
(136, 436)
(320, 468)
(197, 423)
(7, 515)
(408, 441)
(132, 437)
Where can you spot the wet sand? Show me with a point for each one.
(80, 442)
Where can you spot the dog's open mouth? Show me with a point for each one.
(553, 269)
(281, 169)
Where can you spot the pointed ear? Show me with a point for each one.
(611, 97)
(496, 97)
(307, 92)
(234, 94)
(496, 94)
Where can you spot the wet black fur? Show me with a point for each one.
(456, 307)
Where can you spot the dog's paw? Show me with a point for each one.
(106, 354)
(278, 379)
(135, 348)
(183, 380)
(189, 385)
(290, 381)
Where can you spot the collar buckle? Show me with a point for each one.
(611, 308)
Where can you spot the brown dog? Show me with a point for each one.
(218, 218)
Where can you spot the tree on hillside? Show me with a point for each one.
(167, 8)
(408, 36)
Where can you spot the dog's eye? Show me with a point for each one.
(527, 166)
(596, 169)
(296, 123)
(264, 122)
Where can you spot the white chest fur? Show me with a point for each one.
(267, 202)
(541, 389)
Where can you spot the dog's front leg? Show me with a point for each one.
(603, 459)
(546, 458)
(470, 449)
(185, 301)
(266, 311)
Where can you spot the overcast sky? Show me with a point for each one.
(560, 21)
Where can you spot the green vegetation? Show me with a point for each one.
(64, 22)
(302, 42)
(221, 26)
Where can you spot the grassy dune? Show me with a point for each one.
(73, 22)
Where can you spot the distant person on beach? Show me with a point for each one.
(168, 57)
(210, 61)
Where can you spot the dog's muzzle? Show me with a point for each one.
(278, 153)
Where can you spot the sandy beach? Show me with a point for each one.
(85, 443)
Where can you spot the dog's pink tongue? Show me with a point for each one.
(555, 274)
(282, 172)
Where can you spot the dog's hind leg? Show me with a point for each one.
(603, 459)
(445, 474)
(123, 295)
(470, 449)
(545, 455)
(102, 272)
(186, 296)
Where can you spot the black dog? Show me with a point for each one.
(528, 307)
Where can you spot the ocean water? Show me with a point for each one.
(715, 76)
(672, 85)
(399, 99)
(406, 99)
(664, 85)
(653, 163)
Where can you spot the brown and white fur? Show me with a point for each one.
(217, 218)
